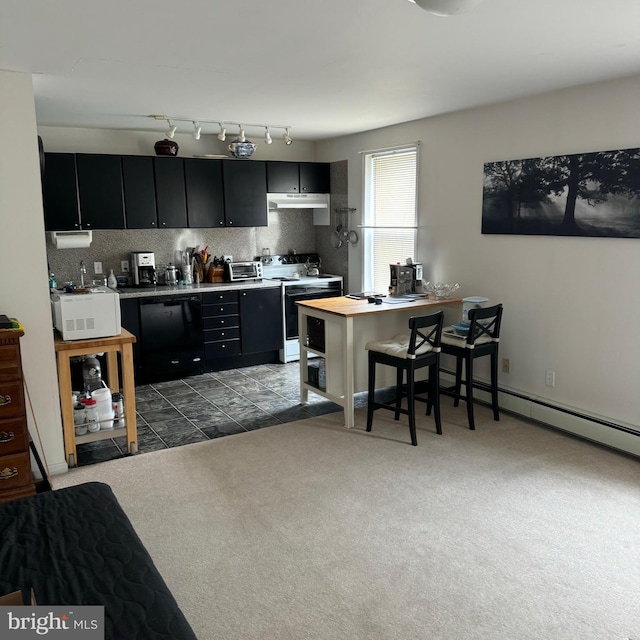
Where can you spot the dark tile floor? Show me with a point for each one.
(209, 406)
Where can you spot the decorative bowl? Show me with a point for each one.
(242, 150)
(166, 148)
(441, 290)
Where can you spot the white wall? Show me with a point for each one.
(572, 305)
(24, 287)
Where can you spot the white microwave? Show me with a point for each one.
(82, 316)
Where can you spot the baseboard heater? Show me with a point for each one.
(593, 428)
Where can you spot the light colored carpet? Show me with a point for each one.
(310, 531)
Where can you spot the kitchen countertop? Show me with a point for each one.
(205, 287)
(348, 307)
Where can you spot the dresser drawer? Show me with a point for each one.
(11, 399)
(13, 436)
(15, 471)
(10, 362)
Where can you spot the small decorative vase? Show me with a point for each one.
(166, 148)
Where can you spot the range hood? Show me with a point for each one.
(298, 201)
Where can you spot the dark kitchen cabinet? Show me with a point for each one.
(60, 192)
(170, 193)
(139, 192)
(261, 320)
(298, 177)
(205, 199)
(283, 177)
(130, 320)
(315, 177)
(100, 191)
(245, 193)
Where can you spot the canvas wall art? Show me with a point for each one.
(587, 194)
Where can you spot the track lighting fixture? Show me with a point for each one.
(200, 127)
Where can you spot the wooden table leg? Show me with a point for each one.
(129, 396)
(112, 371)
(64, 386)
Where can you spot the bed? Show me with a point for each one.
(76, 546)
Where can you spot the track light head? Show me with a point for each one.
(286, 137)
(267, 136)
(197, 130)
(222, 136)
(172, 129)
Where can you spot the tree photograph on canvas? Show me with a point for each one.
(588, 194)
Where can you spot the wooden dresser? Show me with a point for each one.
(16, 479)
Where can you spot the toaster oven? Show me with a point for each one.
(236, 271)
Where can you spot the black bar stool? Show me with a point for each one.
(409, 353)
(482, 340)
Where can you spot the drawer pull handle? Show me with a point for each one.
(6, 436)
(8, 472)
(4, 400)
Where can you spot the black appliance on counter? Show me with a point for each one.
(172, 343)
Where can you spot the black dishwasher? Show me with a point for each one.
(172, 339)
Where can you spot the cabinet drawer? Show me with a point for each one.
(221, 322)
(15, 471)
(221, 349)
(219, 309)
(10, 362)
(11, 399)
(13, 436)
(220, 296)
(220, 335)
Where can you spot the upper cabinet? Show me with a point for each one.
(298, 177)
(171, 193)
(139, 192)
(60, 192)
(205, 198)
(100, 191)
(245, 193)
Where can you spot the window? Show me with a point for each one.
(390, 213)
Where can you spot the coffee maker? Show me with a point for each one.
(143, 265)
(401, 279)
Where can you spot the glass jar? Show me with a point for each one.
(80, 419)
(93, 419)
(118, 410)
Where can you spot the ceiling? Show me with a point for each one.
(326, 68)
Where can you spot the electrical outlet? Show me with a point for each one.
(506, 365)
(124, 266)
(97, 267)
(550, 378)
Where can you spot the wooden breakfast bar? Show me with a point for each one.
(337, 329)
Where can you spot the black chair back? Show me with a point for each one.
(484, 323)
(426, 331)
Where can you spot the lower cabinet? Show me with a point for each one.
(261, 320)
(238, 328)
(221, 321)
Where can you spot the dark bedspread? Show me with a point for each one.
(76, 546)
